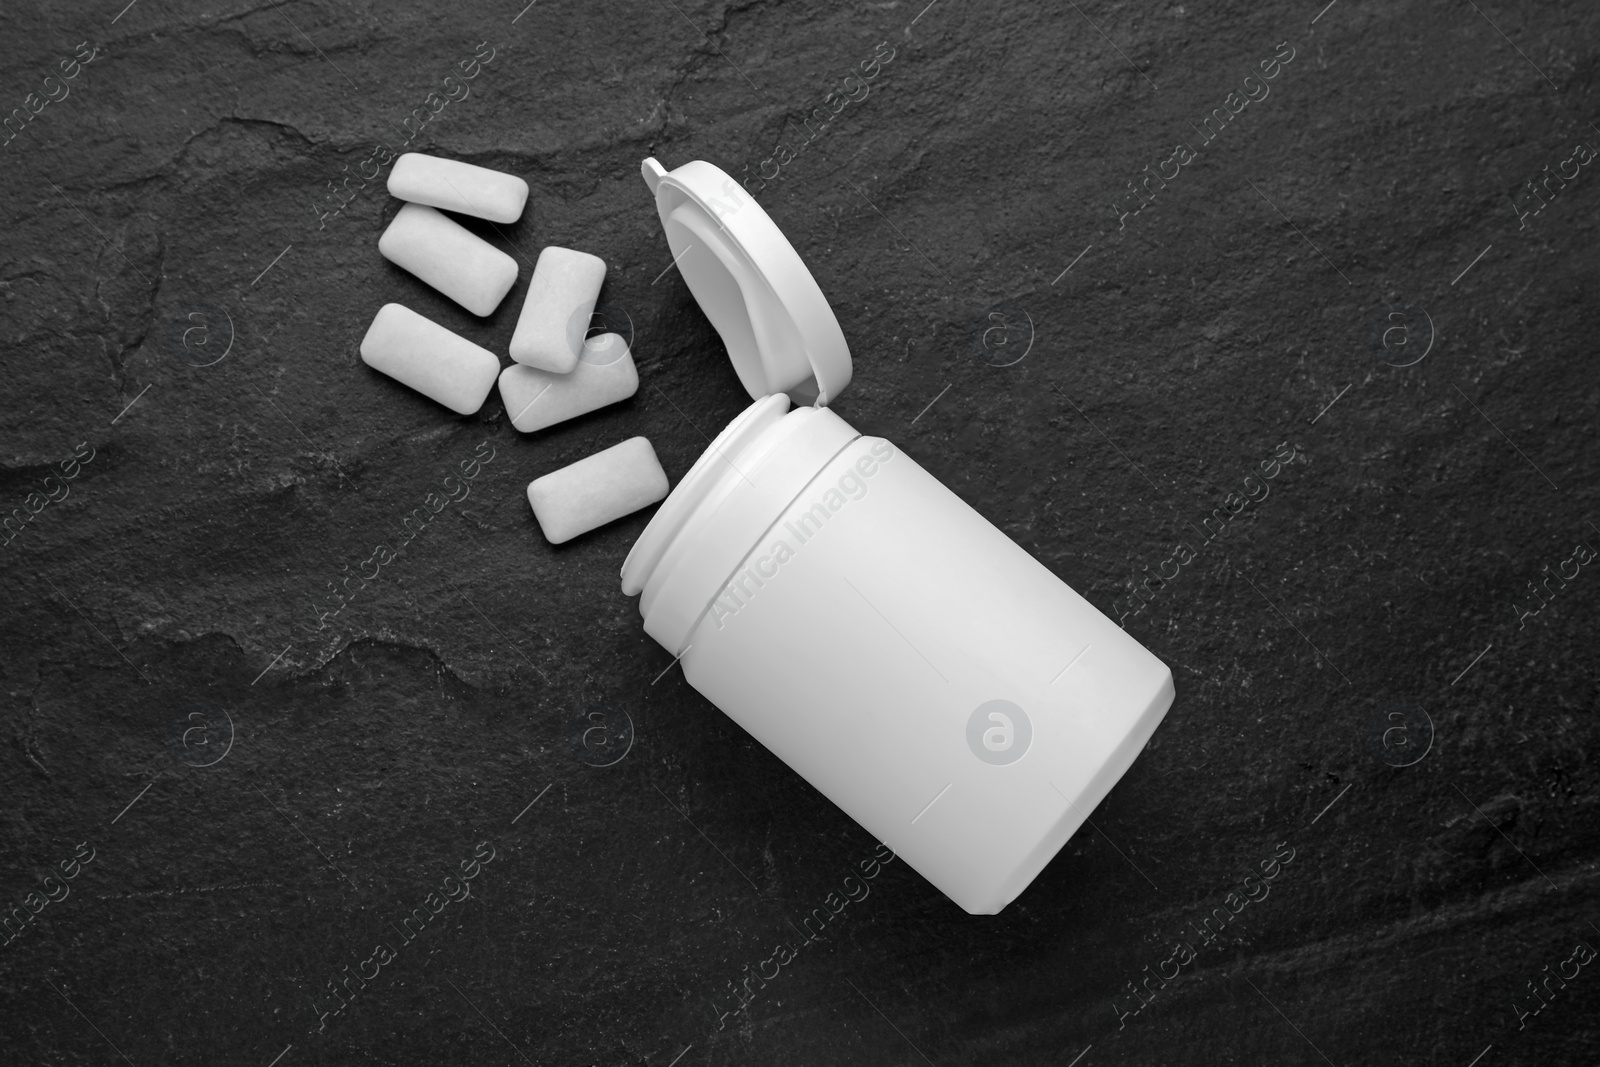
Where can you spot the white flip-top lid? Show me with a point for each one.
(779, 330)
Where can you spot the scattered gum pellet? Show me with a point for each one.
(556, 312)
(597, 489)
(418, 352)
(456, 186)
(449, 257)
(537, 398)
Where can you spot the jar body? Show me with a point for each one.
(926, 674)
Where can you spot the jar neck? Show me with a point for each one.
(718, 513)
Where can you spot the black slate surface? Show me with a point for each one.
(251, 789)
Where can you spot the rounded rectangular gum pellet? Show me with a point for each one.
(449, 257)
(537, 398)
(455, 186)
(597, 489)
(556, 312)
(418, 352)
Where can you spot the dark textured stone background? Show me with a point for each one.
(369, 757)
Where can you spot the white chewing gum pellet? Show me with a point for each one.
(456, 186)
(555, 315)
(597, 489)
(449, 257)
(537, 398)
(420, 353)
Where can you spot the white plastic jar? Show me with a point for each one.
(855, 616)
